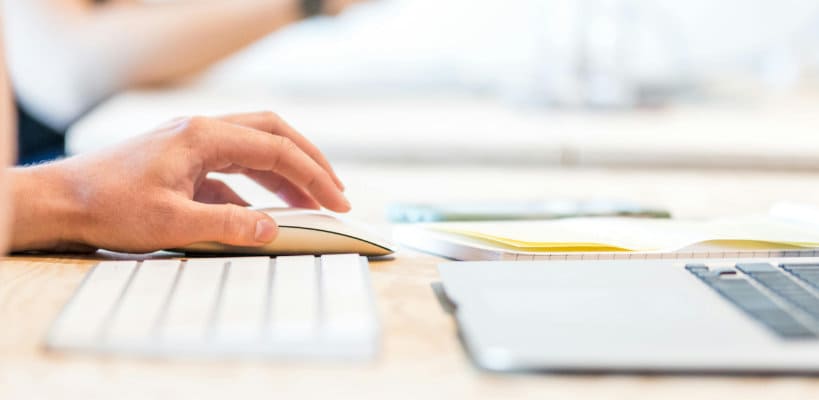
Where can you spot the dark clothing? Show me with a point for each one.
(36, 141)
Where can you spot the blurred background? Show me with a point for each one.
(554, 82)
(582, 53)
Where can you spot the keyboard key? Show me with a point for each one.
(82, 320)
(756, 304)
(241, 312)
(142, 303)
(801, 266)
(782, 285)
(756, 267)
(347, 306)
(696, 267)
(295, 307)
(192, 305)
(808, 273)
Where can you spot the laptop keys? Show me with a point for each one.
(808, 273)
(780, 283)
(754, 302)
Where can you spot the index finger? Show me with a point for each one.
(222, 144)
(270, 122)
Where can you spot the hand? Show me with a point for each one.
(153, 193)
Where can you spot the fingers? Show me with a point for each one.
(222, 144)
(225, 223)
(286, 190)
(272, 123)
(213, 191)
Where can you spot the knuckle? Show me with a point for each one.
(273, 119)
(312, 184)
(284, 147)
(287, 145)
(195, 125)
(193, 131)
(189, 136)
(271, 116)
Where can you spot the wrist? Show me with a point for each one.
(47, 213)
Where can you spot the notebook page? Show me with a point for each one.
(633, 234)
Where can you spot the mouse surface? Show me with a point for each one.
(303, 231)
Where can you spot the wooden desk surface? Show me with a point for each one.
(421, 357)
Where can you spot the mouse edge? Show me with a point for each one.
(385, 245)
(372, 248)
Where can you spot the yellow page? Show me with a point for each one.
(635, 234)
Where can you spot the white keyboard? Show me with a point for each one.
(284, 307)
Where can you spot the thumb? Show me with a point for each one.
(230, 224)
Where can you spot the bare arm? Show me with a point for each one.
(6, 146)
(74, 53)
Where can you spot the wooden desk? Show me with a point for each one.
(421, 357)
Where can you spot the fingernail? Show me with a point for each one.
(265, 231)
(347, 205)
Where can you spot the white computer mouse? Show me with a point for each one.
(303, 231)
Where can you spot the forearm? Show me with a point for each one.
(156, 43)
(68, 55)
(7, 144)
(46, 215)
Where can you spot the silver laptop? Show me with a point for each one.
(738, 316)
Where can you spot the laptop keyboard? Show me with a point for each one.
(294, 306)
(776, 296)
(809, 273)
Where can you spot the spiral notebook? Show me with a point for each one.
(612, 238)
